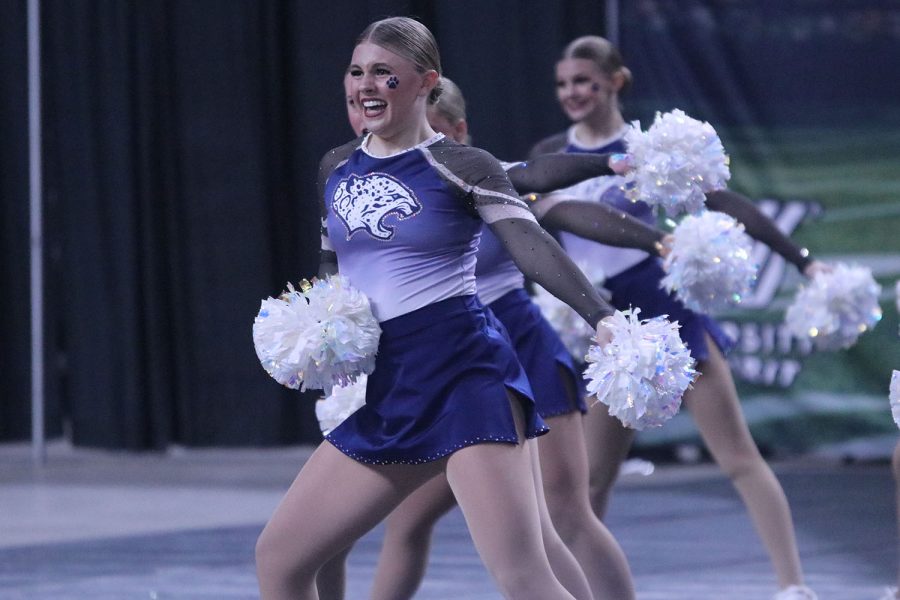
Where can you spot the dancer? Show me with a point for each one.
(447, 394)
(589, 78)
(404, 555)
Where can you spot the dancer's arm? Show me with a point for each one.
(762, 228)
(596, 221)
(542, 260)
(535, 252)
(549, 172)
(328, 262)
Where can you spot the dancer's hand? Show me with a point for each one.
(816, 267)
(603, 334)
(664, 246)
(621, 163)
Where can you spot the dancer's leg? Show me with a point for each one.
(331, 581)
(333, 501)
(714, 403)
(562, 561)
(895, 464)
(407, 540)
(565, 469)
(494, 486)
(607, 442)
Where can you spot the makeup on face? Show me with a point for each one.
(582, 89)
(373, 78)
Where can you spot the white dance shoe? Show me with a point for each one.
(890, 593)
(796, 592)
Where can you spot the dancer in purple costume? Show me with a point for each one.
(402, 212)
(551, 372)
(589, 78)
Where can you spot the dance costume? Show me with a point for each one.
(404, 230)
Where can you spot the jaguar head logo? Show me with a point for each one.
(363, 202)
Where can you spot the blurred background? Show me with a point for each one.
(180, 146)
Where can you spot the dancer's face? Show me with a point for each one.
(387, 89)
(583, 91)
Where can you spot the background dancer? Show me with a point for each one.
(589, 78)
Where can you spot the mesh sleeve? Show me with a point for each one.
(554, 143)
(596, 221)
(549, 172)
(758, 226)
(541, 259)
(328, 263)
(480, 179)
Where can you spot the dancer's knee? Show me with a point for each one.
(515, 581)
(599, 489)
(280, 566)
(408, 541)
(744, 463)
(567, 513)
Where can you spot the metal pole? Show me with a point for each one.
(38, 447)
(612, 22)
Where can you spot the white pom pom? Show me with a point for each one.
(709, 267)
(677, 161)
(574, 331)
(343, 401)
(317, 338)
(642, 372)
(897, 295)
(897, 299)
(895, 396)
(836, 307)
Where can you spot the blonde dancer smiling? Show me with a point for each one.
(447, 394)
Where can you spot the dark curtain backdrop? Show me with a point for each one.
(15, 360)
(181, 143)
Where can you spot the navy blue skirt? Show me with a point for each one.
(440, 384)
(638, 286)
(541, 353)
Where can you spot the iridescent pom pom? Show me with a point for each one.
(574, 331)
(897, 299)
(321, 336)
(895, 396)
(709, 267)
(343, 401)
(677, 161)
(836, 307)
(642, 372)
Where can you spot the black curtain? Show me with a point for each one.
(15, 316)
(181, 144)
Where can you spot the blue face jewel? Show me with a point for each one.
(393, 82)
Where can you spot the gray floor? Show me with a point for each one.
(115, 526)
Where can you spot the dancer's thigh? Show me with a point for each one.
(714, 404)
(334, 500)
(564, 458)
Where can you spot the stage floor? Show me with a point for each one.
(182, 525)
